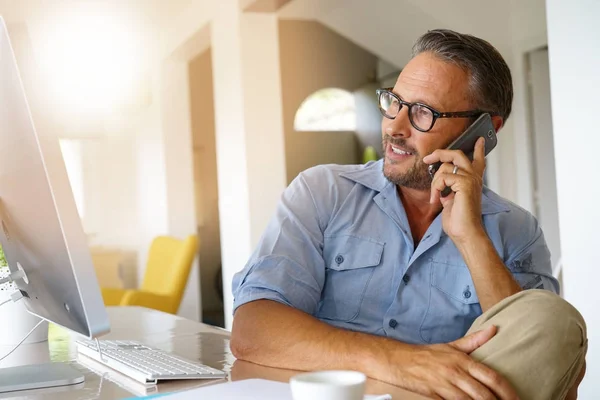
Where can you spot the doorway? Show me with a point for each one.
(542, 147)
(206, 187)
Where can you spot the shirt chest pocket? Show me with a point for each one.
(350, 262)
(453, 303)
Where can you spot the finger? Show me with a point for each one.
(448, 200)
(445, 168)
(449, 391)
(448, 168)
(479, 157)
(438, 184)
(474, 388)
(492, 380)
(425, 390)
(473, 341)
(455, 181)
(456, 157)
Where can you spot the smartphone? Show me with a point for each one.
(482, 127)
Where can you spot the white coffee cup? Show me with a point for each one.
(328, 385)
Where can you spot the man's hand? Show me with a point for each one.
(446, 371)
(461, 220)
(461, 217)
(442, 371)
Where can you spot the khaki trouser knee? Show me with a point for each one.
(540, 345)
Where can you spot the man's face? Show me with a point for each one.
(440, 85)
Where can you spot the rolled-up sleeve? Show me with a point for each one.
(530, 262)
(287, 265)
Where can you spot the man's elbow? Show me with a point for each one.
(241, 347)
(254, 334)
(243, 344)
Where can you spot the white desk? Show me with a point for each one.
(187, 338)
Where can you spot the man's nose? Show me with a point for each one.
(399, 126)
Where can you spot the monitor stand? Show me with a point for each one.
(36, 376)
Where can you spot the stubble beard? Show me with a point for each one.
(416, 177)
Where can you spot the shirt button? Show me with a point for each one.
(339, 259)
(406, 279)
(393, 323)
(467, 294)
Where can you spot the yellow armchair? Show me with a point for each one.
(167, 270)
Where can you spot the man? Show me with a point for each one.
(370, 268)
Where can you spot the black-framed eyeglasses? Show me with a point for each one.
(421, 116)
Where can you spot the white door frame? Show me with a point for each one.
(523, 130)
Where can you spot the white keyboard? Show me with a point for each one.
(143, 363)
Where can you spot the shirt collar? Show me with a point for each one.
(371, 176)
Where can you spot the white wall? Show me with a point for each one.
(249, 132)
(151, 208)
(573, 37)
(262, 87)
(546, 201)
(109, 190)
(174, 97)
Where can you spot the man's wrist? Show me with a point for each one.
(372, 360)
(474, 240)
(476, 232)
(380, 360)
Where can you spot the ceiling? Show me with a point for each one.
(388, 27)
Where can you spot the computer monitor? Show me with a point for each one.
(41, 232)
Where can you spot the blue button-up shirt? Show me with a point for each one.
(340, 248)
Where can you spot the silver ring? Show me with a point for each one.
(455, 170)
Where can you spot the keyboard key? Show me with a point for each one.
(146, 364)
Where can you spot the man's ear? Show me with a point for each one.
(498, 122)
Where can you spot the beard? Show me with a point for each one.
(416, 177)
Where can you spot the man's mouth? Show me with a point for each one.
(398, 150)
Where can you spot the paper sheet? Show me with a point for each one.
(249, 389)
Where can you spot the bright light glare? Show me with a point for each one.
(90, 60)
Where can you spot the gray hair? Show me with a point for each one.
(490, 78)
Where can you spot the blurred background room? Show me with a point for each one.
(181, 122)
